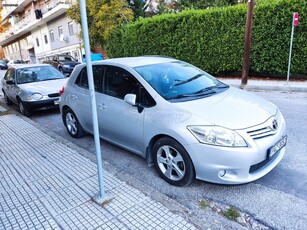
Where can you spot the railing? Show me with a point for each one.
(21, 25)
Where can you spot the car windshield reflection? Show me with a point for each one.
(179, 80)
(37, 74)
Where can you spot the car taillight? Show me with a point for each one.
(61, 91)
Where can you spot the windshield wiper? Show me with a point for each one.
(188, 80)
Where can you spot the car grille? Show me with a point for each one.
(261, 132)
(54, 95)
(268, 128)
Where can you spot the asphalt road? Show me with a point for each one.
(278, 200)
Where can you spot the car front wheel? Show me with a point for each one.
(6, 99)
(173, 162)
(23, 109)
(72, 124)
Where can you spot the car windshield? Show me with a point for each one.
(66, 58)
(180, 81)
(36, 74)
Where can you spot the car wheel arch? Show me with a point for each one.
(149, 149)
(189, 168)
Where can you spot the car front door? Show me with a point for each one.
(120, 122)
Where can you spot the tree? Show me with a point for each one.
(103, 17)
(203, 4)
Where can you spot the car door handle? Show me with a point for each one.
(101, 106)
(74, 97)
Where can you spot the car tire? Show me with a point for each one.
(23, 109)
(172, 162)
(72, 124)
(6, 99)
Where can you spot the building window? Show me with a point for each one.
(70, 28)
(45, 38)
(37, 42)
(51, 36)
(60, 30)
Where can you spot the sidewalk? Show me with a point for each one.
(268, 85)
(46, 184)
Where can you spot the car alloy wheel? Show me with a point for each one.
(23, 110)
(173, 162)
(72, 124)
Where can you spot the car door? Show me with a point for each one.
(120, 122)
(80, 99)
(11, 90)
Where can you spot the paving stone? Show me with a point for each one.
(155, 213)
(10, 181)
(81, 172)
(33, 169)
(72, 161)
(16, 197)
(113, 224)
(7, 139)
(55, 151)
(37, 139)
(83, 216)
(65, 199)
(50, 184)
(30, 215)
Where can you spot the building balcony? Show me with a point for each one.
(49, 11)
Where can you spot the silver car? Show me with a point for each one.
(178, 117)
(32, 86)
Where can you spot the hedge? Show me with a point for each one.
(213, 39)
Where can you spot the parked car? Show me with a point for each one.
(64, 63)
(32, 86)
(3, 64)
(180, 118)
(14, 62)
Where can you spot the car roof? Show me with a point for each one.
(20, 66)
(136, 61)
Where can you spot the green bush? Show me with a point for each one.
(213, 39)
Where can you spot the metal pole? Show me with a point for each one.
(291, 41)
(247, 42)
(101, 197)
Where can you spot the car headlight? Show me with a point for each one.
(66, 66)
(215, 135)
(37, 96)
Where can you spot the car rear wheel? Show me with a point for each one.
(23, 109)
(72, 124)
(173, 162)
(6, 99)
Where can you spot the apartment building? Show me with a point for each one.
(37, 29)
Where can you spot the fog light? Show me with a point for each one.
(222, 173)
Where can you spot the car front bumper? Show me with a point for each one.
(46, 103)
(237, 165)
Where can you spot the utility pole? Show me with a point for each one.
(247, 43)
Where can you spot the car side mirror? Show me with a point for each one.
(130, 99)
(10, 82)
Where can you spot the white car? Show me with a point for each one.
(32, 86)
(178, 117)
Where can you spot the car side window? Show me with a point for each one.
(82, 79)
(119, 82)
(9, 75)
(146, 99)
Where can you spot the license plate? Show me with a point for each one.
(57, 102)
(278, 146)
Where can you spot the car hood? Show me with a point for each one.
(233, 109)
(44, 87)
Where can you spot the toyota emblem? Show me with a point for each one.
(274, 125)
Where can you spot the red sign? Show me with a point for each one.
(295, 19)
